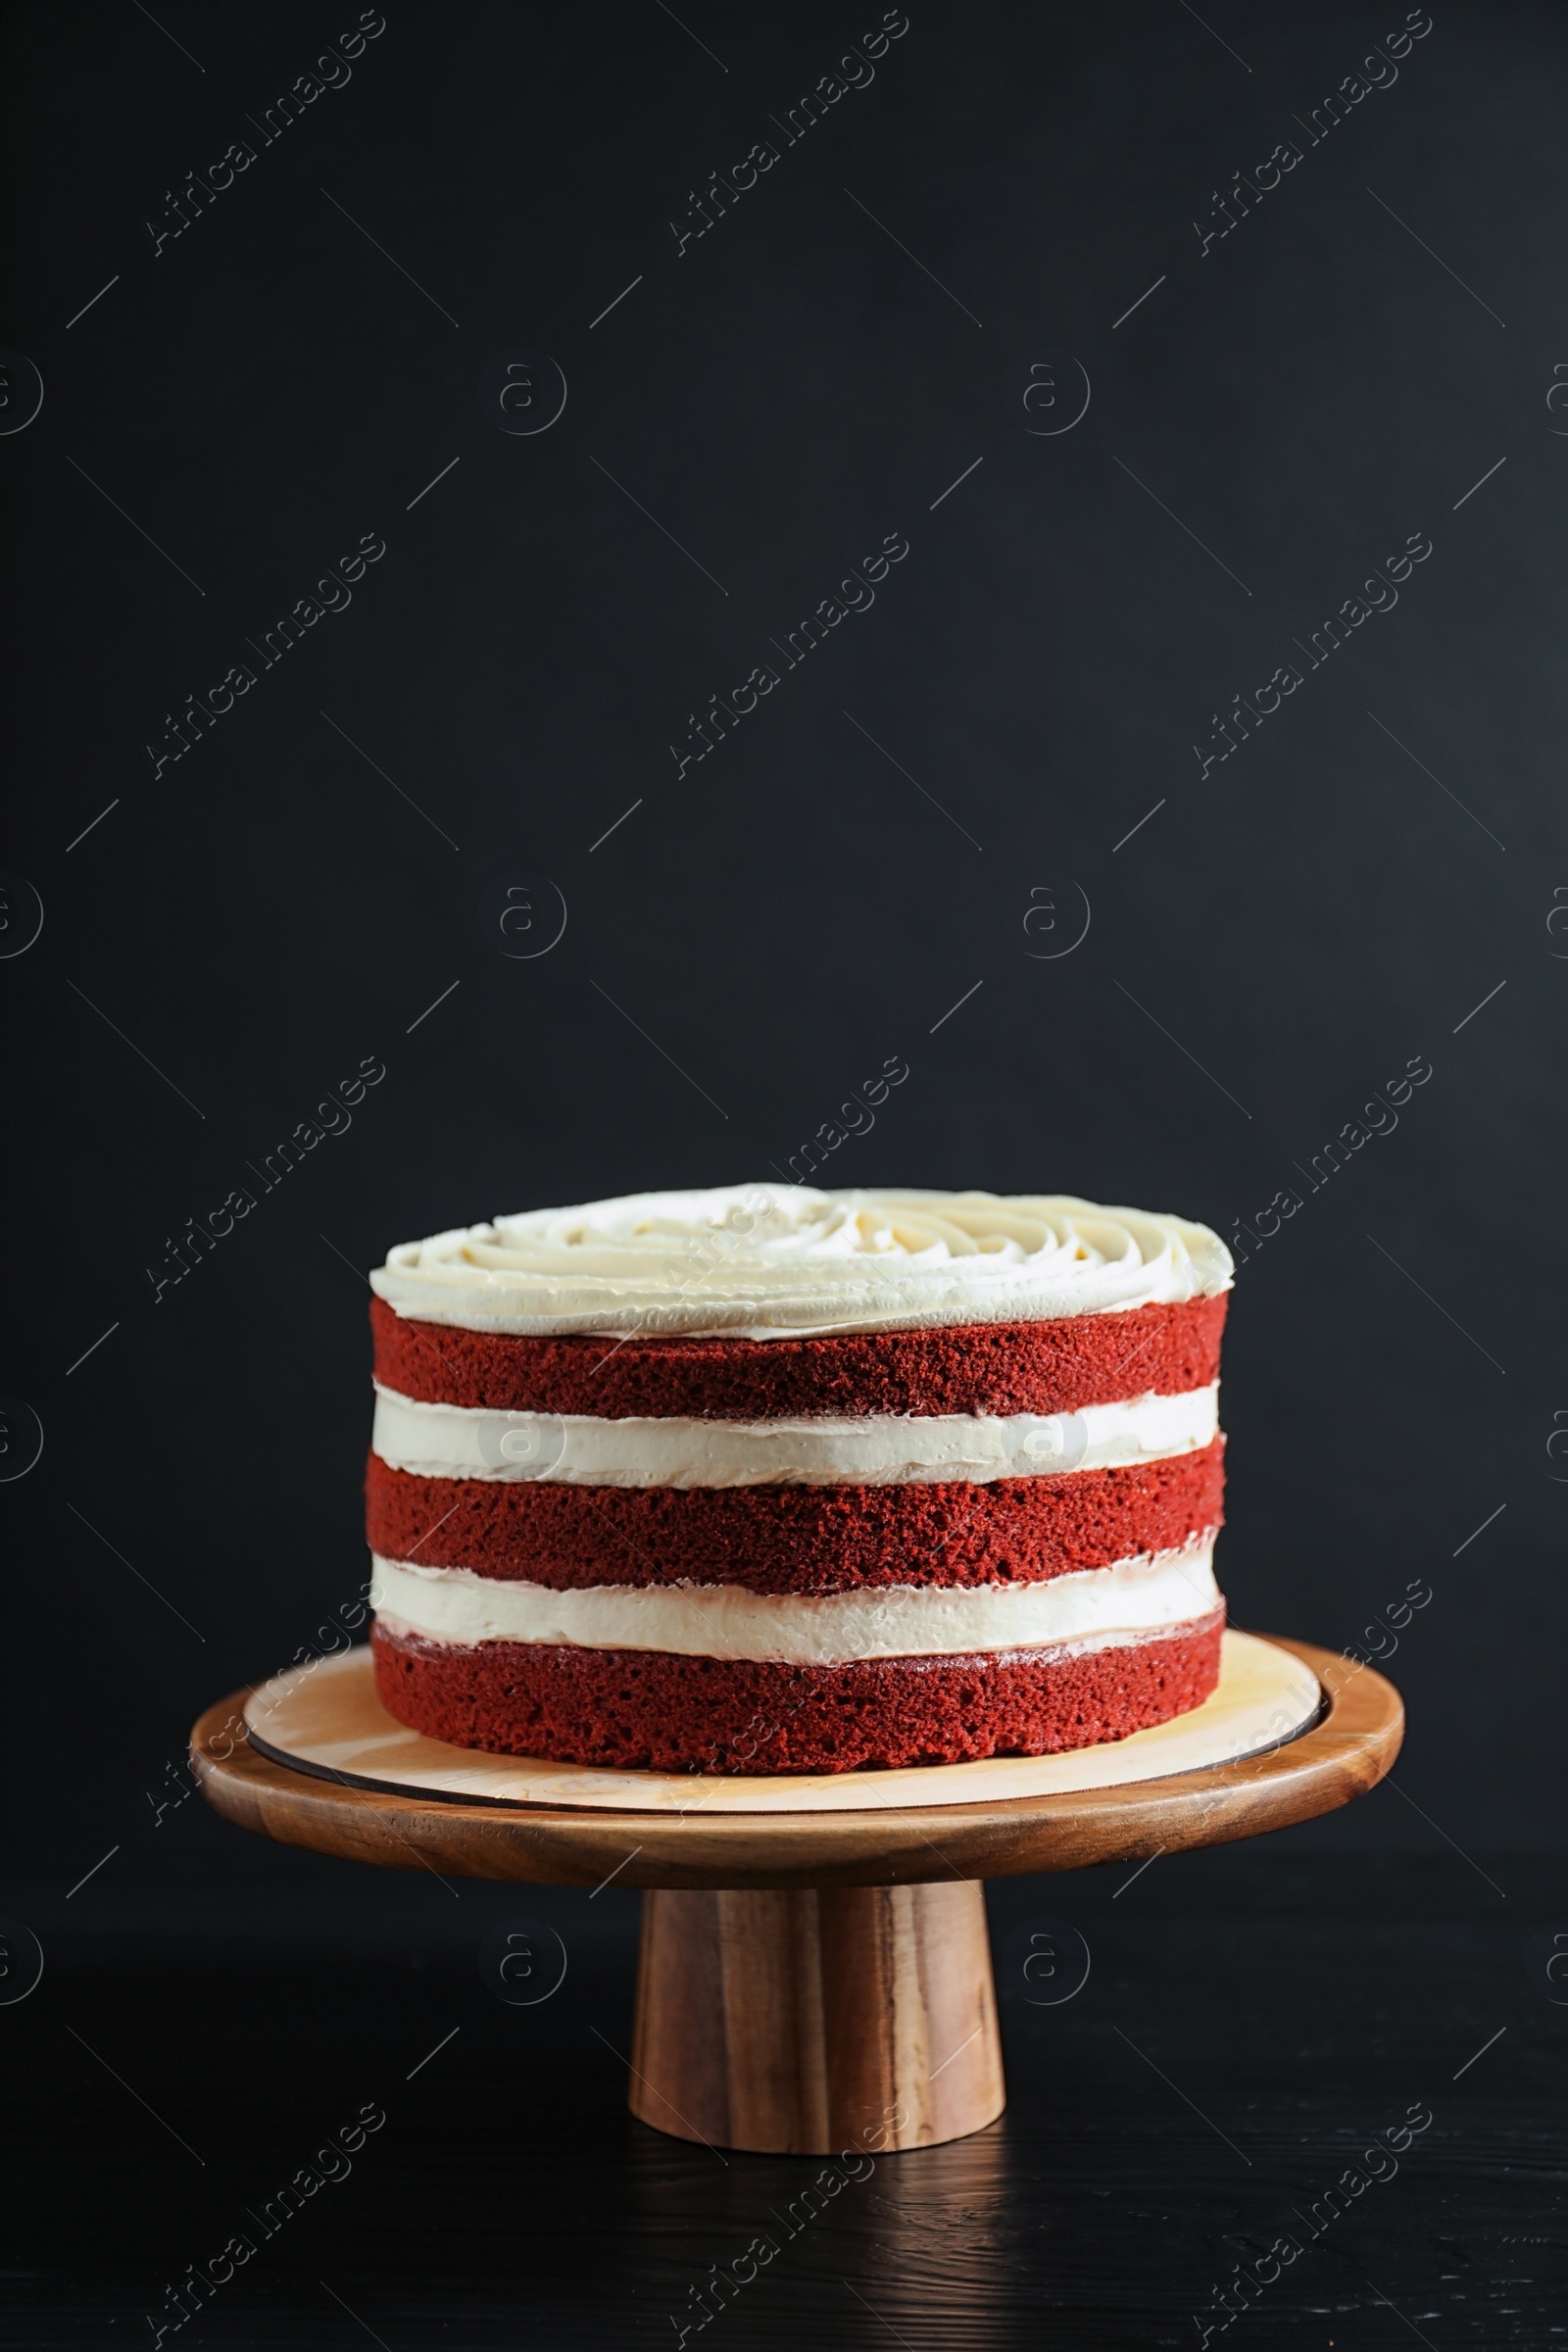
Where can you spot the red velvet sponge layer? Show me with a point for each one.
(966, 1368)
(795, 1539)
(640, 1708)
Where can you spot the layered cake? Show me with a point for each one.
(769, 1480)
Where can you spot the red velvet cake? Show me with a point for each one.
(766, 1480)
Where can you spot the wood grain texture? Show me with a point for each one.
(816, 2023)
(1345, 1754)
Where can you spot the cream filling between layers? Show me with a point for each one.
(454, 1440)
(1130, 1600)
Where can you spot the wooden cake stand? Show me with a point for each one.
(814, 1977)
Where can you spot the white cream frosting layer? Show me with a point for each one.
(453, 1441)
(1128, 1601)
(769, 1260)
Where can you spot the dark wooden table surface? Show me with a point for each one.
(1255, 2020)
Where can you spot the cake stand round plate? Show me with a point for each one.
(327, 1718)
(816, 1977)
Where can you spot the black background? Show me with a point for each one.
(297, 892)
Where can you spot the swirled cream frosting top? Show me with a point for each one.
(767, 1262)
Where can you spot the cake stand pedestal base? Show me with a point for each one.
(814, 1977)
(814, 2023)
